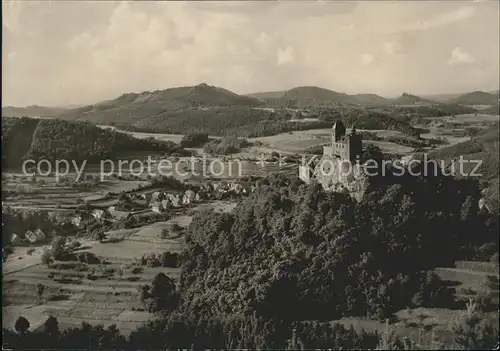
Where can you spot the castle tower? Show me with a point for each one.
(338, 131)
(354, 145)
(344, 147)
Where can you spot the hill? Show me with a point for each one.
(32, 111)
(28, 138)
(316, 94)
(130, 108)
(408, 99)
(476, 98)
(307, 95)
(369, 99)
(267, 95)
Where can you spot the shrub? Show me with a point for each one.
(164, 233)
(170, 259)
(473, 332)
(22, 325)
(57, 246)
(136, 270)
(75, 244)
(494, 258)
(47, 257)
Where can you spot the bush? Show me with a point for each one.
(164, 233)
(194, 140)
(486, 251)
(473, 332)
(136, 270)
(75, 244)
(170, 259)
(47, 257)
(57, 246)
(494, 258)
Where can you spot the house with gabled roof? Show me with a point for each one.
(15, 240)
(40, 235)
(30, 236)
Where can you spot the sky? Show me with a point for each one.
(60, 53)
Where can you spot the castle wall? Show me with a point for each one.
(327, 151)
(305, 174)
(341, 176)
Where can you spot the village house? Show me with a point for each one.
(15, 240)
(76, 220)
(35, 237)
(156, 207)
(98, 214)
(165, 204)
(156, 196)
(188, 197)
(40, 235)
(175, 200)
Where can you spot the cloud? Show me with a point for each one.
(459, 56)
(285, 56)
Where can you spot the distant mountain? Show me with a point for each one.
(33, 138)
(408, 99)
(311, 94)
(130, 108)
(443, 98)
(476, 98)
(32, 111)
(369, 99)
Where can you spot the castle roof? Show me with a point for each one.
(338, 125)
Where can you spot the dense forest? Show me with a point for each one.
(251, 122)
(329, 256)
(483, 148)
(27, 138)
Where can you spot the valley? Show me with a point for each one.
(108, 240)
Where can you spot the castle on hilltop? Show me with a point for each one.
(339, 169)
(344, 146)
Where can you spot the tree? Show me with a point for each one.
(46, 257)
(119, 272)
(51, 327)
(163, 291)
(472, 332)
(99, 235)
(75, 244)
(57, 246)
(22, 325)
(39, 291)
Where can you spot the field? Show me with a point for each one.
(103, 301)
(47, 192)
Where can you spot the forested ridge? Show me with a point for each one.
(28, 138)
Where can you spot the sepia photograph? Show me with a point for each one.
(250, 175)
